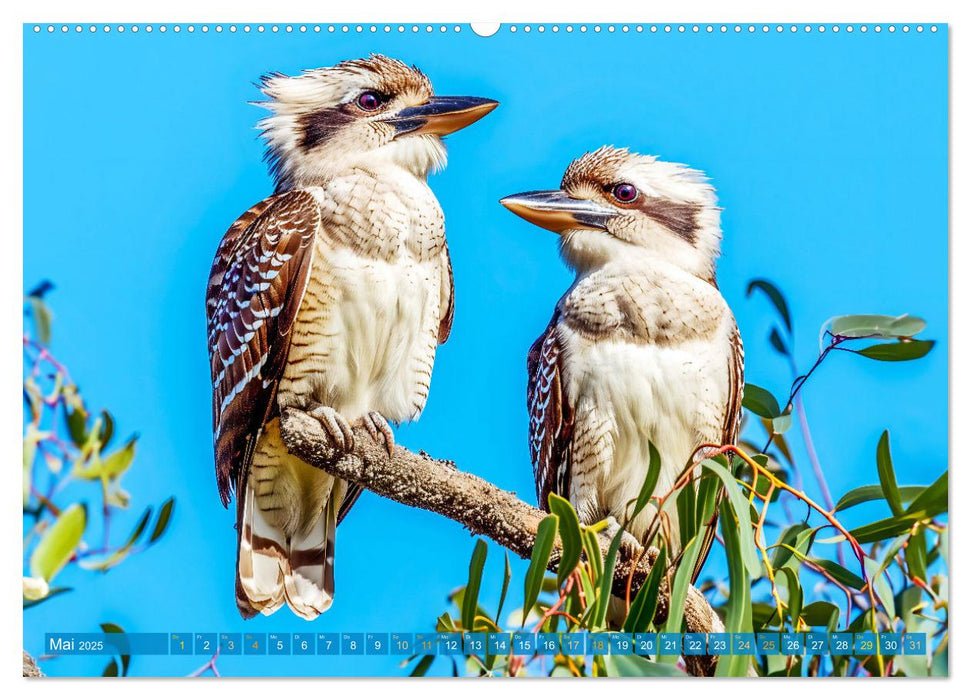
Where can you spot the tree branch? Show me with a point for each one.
(420, 481)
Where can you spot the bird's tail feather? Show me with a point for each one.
(274, 568)
(309, 571)
(262, 551)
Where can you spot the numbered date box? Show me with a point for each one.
(376, 643)
(180, 643)
(573, 643)
(500, 643)
(206, 643)
(645, 643)
(720, 644)
(694, 644)
(278, 644)
(328, 643)
(548, 643)
(303, 644)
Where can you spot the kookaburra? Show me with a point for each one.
(331, 296)
(642, 347)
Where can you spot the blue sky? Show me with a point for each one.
(828, 151)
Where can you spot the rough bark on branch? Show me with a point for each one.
(421, 481)
(31, 669)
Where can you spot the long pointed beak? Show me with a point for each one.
(441, 115)
(556, 211)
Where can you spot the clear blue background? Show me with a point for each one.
(829, 153)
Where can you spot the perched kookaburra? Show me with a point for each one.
(330, 296)
(642, 348)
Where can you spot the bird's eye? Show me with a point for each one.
(369, 101)
(625, 192)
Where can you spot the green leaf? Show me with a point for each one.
(760, 401)
(897, 352)
(650, 481)
(775, 339)
(781, 424)
(111, 670)
(874, 492)
(50, 594)
(877, 326)
(470, 600)
(880, 585)
(112, 628)
(41, 314)
(916, 554)
(542, 547)
(679, 589)
(844, 576)
(738, 614)
(77, 421)
(569, 535)
(775, 296)
(631, 666)
(58, 543)
(794, 596)
(591, 546)
(507, 576)
(110, 467)
(607, 580)
(821, 614)
(421, 668)
(798, 536)
(884, 529)
(162, 523)
(642, 608)
(742, 512)
(686, 503)
(932, 501)
(888, 480)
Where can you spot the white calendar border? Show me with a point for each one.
(547, 11)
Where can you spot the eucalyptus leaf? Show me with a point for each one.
(874, 492)
(630, 666)
(607, 579)
(162, 523)
(888, 479)
(742, 512)
(506, 577)
(901, 351)
(775, 296)
(650, 481)
(58, 543)
(570, 537)
(760, 401)
(642, 608)
(470, 600)
(738, 615)
(877, 326)
(542, 547)
(932, 501)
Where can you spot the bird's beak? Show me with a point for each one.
(557, 211)
(441, 115)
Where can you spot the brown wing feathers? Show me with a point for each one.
(550, 417)
(258, 279)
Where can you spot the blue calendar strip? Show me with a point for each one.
(482, 643)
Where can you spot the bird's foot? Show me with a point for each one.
(379, 429)
(627, 541)
(340, 431)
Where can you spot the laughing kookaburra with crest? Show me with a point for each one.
(329, 296)
(642, 348)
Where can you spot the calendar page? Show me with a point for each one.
(533, 350)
